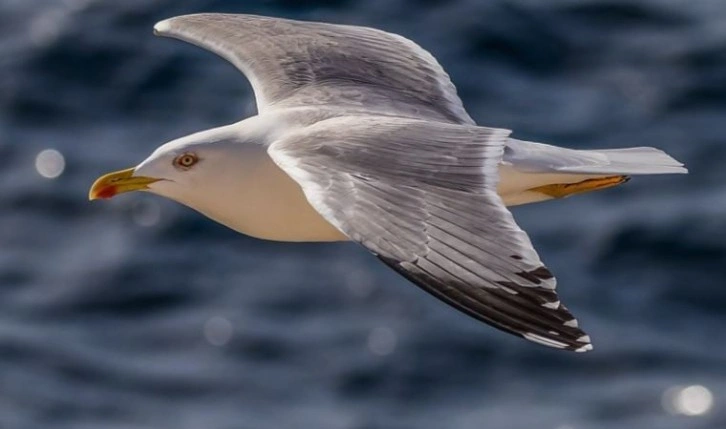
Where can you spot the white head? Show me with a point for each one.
(190, 169)
(227, 175)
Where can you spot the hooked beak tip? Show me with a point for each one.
(118, 182)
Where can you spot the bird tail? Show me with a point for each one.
(537, 172)
(631, 161)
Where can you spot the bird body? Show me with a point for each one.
(360, 136)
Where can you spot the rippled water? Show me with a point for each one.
(138, 313)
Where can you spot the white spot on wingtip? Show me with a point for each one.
(572, 323)
(544, 341)
(552, 305)
(549, 285)
(585, 348)
(584, 339)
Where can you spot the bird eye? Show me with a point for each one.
(186, 160)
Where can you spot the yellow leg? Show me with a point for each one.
(560, 190)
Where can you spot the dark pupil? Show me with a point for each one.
(187, 160)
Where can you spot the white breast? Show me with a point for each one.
(266, 203)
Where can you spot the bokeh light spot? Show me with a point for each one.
(692, 400)
(382, 341)
(360, 283)
(218, 331)
(146, 213)
(50, 163)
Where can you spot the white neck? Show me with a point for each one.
(258, 199)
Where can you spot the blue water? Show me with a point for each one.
(139, 313)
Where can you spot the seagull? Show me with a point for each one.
(360, 136)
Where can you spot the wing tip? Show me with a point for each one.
(166, 27)
(682, 169)
(162, 27)
(583, 349)
(580, 345)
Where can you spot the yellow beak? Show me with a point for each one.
(118, 182)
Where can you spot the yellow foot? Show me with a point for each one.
(560, 190)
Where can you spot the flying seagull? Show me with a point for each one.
(360, 136)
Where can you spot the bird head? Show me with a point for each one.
(184, 170)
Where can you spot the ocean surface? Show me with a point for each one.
(138, 313)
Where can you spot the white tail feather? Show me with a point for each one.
(533, 157)
(632, 161)
(528, 165)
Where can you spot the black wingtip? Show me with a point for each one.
(580, 345)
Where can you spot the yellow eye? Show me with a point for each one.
(186, 160)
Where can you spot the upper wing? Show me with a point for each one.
(297, 63)
(422, 197)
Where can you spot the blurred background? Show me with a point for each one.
(140, 313)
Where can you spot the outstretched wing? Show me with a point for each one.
(297, 63)
(422, 197)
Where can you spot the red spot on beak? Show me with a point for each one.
(107, 192)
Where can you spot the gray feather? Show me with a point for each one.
(297, 63)
(422, 196)
(542, 158)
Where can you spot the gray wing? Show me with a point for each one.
(297, 63)
(422, 197)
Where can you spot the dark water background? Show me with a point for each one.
(139, 313)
